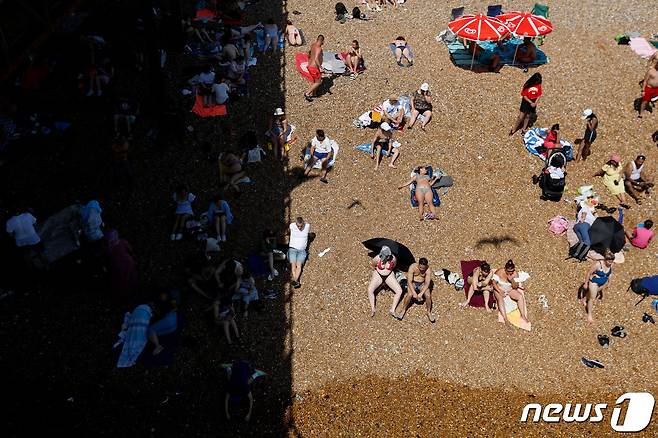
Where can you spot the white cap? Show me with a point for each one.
(278, 112)
(425, 86)
(385, 126)
(588, 112)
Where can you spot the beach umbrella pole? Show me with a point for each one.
(473, 57)
(515, 50)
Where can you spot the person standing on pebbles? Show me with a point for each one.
(383, 265)
(315, 67)
(597, 280)
(585, 145)
(299, 232)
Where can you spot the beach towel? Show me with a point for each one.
(134, 335)
(333, 63)
(558, 225)
(365, 147)
(213, 111)
(534, 138)
(59, 233)
(477, 300)
(301, 61)
(334, 147)
(642, 47)
(436, 201)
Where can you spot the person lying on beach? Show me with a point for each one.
(292, 34)
(402, 51)
(423, 192)
(481, 282)
(526, 52)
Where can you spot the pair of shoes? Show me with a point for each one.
(618, 331)
(591, 363)
(308, 98)
(179, 236)
(222, 238)
(324, 180)
(648, 318)
(172, 237)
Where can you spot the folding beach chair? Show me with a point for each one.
(494, 10)
(456, 13)
(542, 11)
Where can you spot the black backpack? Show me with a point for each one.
(356, 13)
(341, 9)
(641, 286)
(579, 251)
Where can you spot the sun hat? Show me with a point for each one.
(425, 86)
(588, 112)
(278, 112)
(616, 158)
(385, 126)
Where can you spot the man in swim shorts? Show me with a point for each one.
(315, 67)
(419, 288)
(650, 84)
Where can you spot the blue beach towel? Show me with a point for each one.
(135, 335)
(365, 147)
(534, 138)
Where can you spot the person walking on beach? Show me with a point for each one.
(299, 233)
(650, 84)
(591, 123)
(529, 99)
(315, 67)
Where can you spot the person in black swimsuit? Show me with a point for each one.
(383, 143)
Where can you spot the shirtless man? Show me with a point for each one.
(480, 281)
(650, 84)
(419, 288)
(315, 67)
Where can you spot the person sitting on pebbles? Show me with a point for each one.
(383, 143)
(419, 288)
(393, 111)
(505, 283)
(481, 282)
(423, 191)
(383, 265)
(322, 151)
(636, 181)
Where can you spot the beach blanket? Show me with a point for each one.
(365, 147)
(134, 335)
(642, 47)
(213, 111)
(333, 63)
(477, 300)
(462, 57)
(334, 147)
(301, 61)
(534, 138)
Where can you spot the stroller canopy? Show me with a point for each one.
(607, 233)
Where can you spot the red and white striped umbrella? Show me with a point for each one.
(525, 24)
(478, 28)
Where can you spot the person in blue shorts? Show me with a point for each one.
(322, 151)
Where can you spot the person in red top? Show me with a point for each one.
(552, 140)
(642, 235)
(384, 275)
(529, 99)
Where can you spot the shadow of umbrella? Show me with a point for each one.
(404, 256)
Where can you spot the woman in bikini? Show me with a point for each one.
(354, 59)
(402, 50)
(293, 35)
(480, 281)
(505, 283)
(383, 141)
(383, 265)
(423, 192)
(597, 280)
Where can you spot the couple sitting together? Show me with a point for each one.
(418, 284)
(502, 283)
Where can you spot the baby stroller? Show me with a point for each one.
(552, 178)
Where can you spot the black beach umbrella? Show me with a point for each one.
(404, 256)
(607, 233)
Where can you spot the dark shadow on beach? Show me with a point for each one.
(496, 241)
(60, 327)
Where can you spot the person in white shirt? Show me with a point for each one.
(393, 111)
(320, 150)
(299, 233)
(585, 218)
(21, 228)
(220, 90)
(636, 179)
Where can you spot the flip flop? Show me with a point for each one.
(648, 318)
(619, 332)
(431, 317)
(586, 362)
(604, 341)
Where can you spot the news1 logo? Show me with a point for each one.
(639, 410)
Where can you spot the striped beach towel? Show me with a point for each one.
(134, 335)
